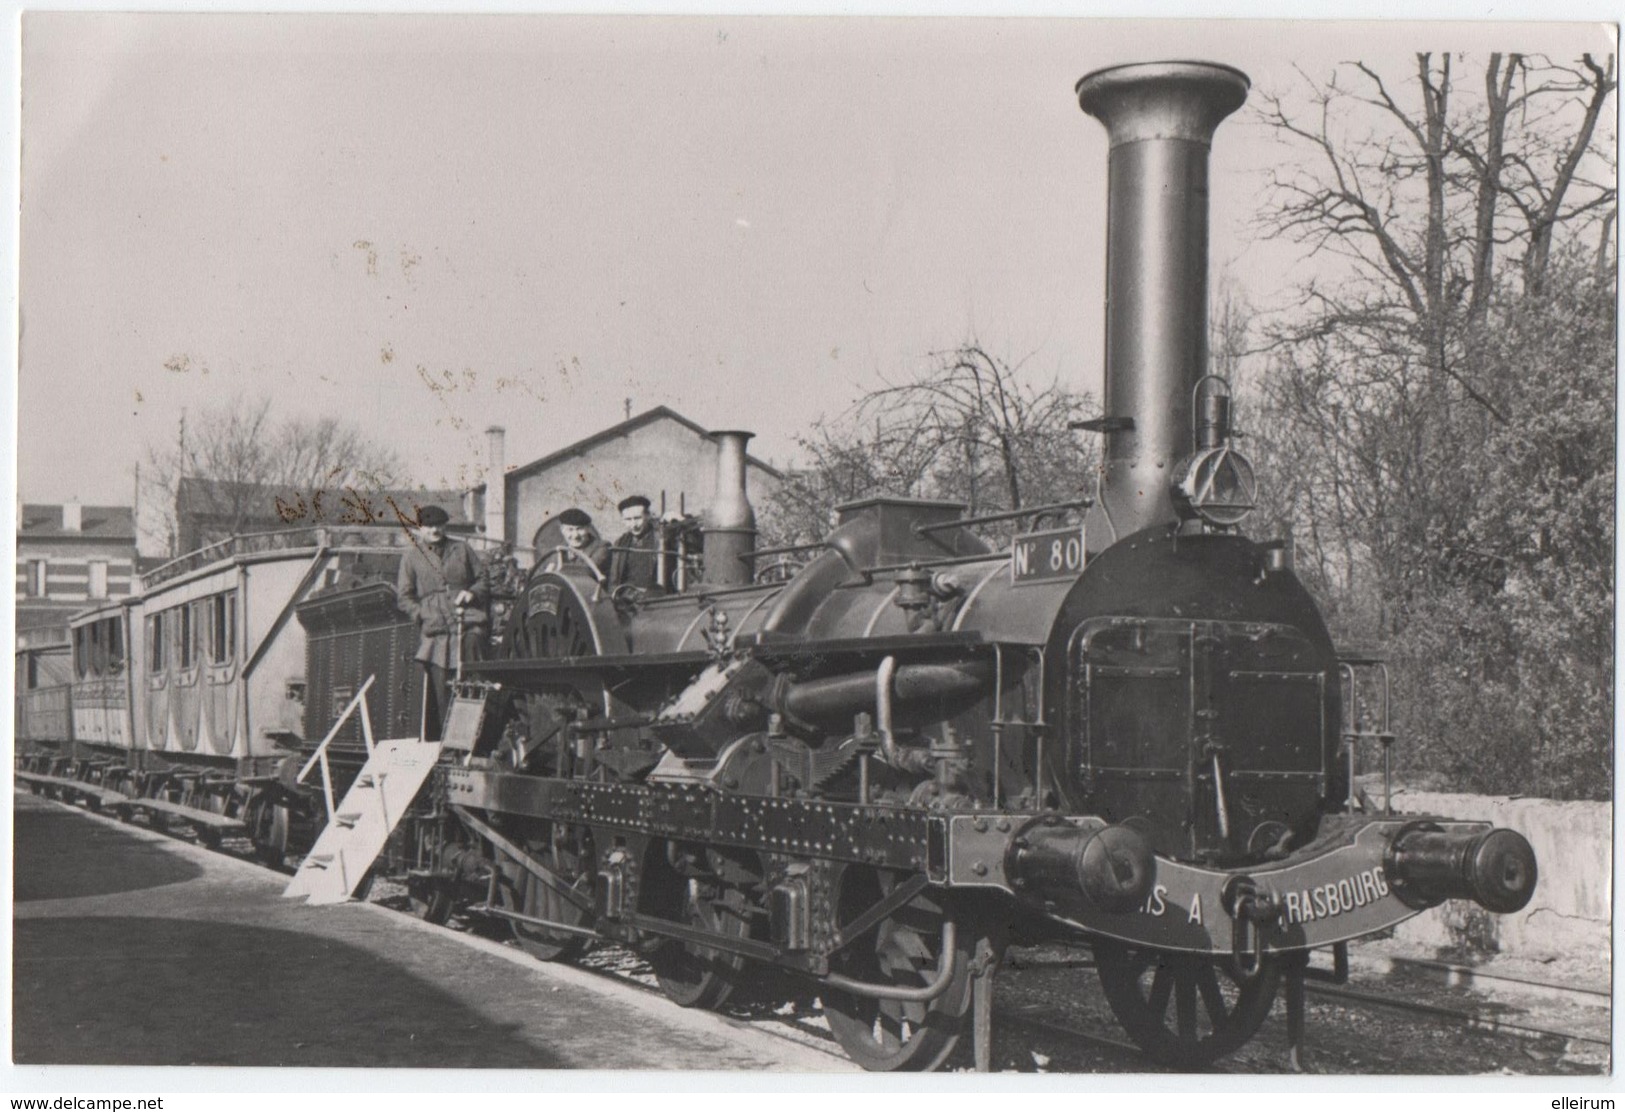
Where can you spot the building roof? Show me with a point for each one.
(199, 497)
(44, 519)
(630, 425)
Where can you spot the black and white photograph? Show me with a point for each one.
(790, 547)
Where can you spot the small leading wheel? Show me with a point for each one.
(1184, 1010)
(567, 853)
(904, 950)
(699, 976)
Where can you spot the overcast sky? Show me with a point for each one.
(433, 224)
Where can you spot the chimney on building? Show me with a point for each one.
(72, 517)
(496, 484)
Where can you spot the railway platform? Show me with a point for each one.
(137, 949)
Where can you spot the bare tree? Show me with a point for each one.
(968, 426)
(1409, 193)
(230, 463)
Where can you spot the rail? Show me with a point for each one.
(320, 756)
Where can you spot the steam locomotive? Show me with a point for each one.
(1130, 728)
(1133, 730)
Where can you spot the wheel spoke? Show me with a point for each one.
(1162, 984)
(1229, 1013)
(1207, 981)
(1185, 1004)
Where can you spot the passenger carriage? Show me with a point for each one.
(44, 672)
(185, 699)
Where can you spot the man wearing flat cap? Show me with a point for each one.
(439, 579)
(637, 555)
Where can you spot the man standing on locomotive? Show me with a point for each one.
(637, 554)
(441, 579)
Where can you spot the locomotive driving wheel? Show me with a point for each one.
(705, 888)
(904, 950)
(567, 852)
(1184, 1010)
(695, 976)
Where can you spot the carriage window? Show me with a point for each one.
(81, 652)
(223, 627)
(115, 645)
(98, 649)
(156, 643)
(185, 658)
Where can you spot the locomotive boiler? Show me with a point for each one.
(1129, 729)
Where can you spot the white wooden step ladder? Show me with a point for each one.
(360, 823)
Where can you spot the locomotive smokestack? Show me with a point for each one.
(730, 530)
(1160, 118)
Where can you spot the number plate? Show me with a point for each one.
(542, 599)
(1052, 554)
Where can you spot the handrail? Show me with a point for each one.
(1007, 515)
(784, 549)
(868, 573)
(230, 546)
(328, 534)
(320, 756)
(573, 558)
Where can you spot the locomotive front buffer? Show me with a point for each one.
(1361, 875)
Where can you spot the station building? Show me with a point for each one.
(659, 453)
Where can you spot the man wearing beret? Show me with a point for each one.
(636, 554)
(439, 579)
(581, 541)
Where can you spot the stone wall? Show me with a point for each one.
(1571, 913)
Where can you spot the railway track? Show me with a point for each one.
(1428, 997)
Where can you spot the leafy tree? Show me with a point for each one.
(1441, 396)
